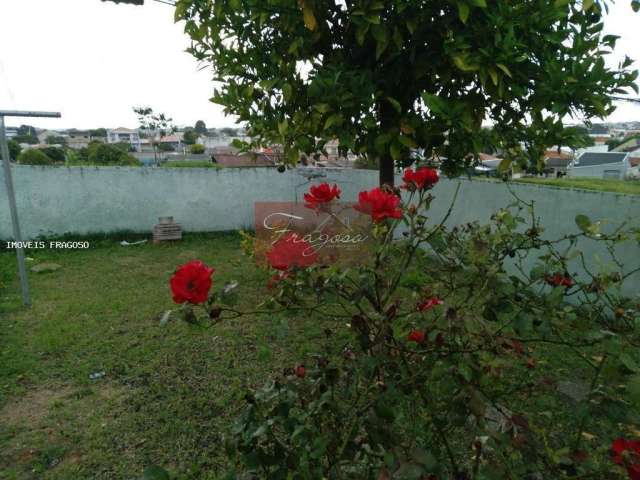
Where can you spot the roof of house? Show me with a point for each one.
(123, 130)
(170, 139)
(246, 160)
(590, 159)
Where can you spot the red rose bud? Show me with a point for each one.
(380, 204)
(191, 283)
(321, 194)
(429, 303)
(421, 179)
(300, 371)
(559, 280)
(417, 336)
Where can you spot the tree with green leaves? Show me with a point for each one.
(14, 149)
(55, 140)
(200, 127)
(387, 77)
(155, 125)
(189, 137)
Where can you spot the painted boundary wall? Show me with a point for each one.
(81, 200)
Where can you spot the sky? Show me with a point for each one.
(93, 61)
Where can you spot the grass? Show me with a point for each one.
(190, 164)
(599, 184)
(168, 393)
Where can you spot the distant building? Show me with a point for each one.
(42, 136)
(78, 138)
(11, 132)
(172, 141)
(557, 163)
(124, 135)
(614, 165)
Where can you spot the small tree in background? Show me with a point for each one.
(386, 77)
(200, 127)
(14, 149)
(34, 156)
(55, 140)
(156, 125)
(98, 133)
(190, 137)
(197, 149)
(56, 154)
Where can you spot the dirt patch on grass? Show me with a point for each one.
(31, 409)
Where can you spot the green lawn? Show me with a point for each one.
(599, 184)
(168, 393)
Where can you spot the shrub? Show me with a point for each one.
(34, 156)
(56, 154)
(165, 147)
(105, 154)
(475, 352)
(14, 149)
(197, 149)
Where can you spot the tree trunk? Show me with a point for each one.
(387, 164)
(387, 170)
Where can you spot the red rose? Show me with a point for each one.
(417, 336)
(291, 251)
(191, 283)
(559, 280)
(422, 178)
(321, 194)
(379, 204)
(627, 453)
(429, 303)
(300, 371)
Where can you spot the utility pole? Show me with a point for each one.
(4, 152)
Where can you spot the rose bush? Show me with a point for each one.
(476, 352)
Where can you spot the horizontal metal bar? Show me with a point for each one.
(18, 113)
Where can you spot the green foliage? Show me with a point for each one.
(33, 156)
(30, 139)
(14, 149)
(386, 77)
(27, 130)
(98, 133)
(444, 370)
(56, 154)
(155, 126)
(197, 149)
(105, 154)
(190, 137)
(200, 127)
(165, 147)
(56, 140)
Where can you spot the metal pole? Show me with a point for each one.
(17, 237)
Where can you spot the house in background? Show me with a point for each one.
(614, 165)
(556, 163)
(78, 138)
(11, 132)
(124, 135)
(42, 136)
(171, 142)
